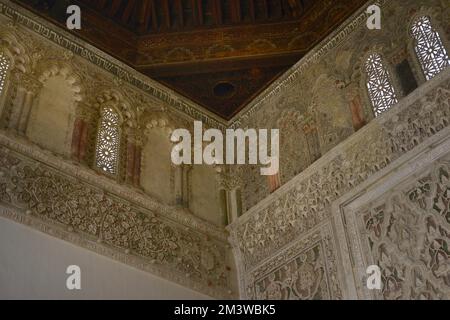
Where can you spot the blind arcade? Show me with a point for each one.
(236, 142)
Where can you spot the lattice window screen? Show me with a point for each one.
(429, 48)
(108, 142)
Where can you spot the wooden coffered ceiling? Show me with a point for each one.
(218, 53)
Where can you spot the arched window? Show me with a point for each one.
(380, 88)
(108, 141)
(4, 66)
(429, 48)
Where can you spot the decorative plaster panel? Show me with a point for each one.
(305, 202)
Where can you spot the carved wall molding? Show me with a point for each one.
(332, 91)
(23, 146)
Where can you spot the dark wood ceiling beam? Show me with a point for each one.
(238, 10)
(144, 15)
(199, 6)
(235, 11)
(142, 11)
(114, 7)
(179, 10)
(296, 6)
(166, 11)
(217, 12)
(128, 11)
(265, 9)
(284, 8)
(219, 65)
(194, 12)
(252, 10)
(280, 13)
(100, 4)
(154, 16)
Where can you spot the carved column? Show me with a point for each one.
(27, 90)
(181, 183)
(178, 184)
(235, 204)
(274, 182)
(137, 165)
(185, 184)
(80, 135)
(357, 113)
(229, 184)
(130, 162)
(25, 116)
(356, 107)
(312, 139)
(76, 137)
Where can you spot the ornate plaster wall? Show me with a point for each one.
(323, 98)
(302, 243)
(286, 244)
(146, 214)
(356, 190)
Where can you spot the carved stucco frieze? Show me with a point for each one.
(28, 82)
(306, 270)
(402, 225)
(284, 245)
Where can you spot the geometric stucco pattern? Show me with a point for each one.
(307, 272)
(408, 235)
(303, 204)
(401, 223)
(63, 202)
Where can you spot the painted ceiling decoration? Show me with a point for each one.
(219, 53)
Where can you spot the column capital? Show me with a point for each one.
(227, 181)
(27, 81)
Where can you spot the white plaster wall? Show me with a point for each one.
(33, 266)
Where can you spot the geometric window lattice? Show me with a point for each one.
(108, 142)
(429, 48)
(4, 66)
(379, 86)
